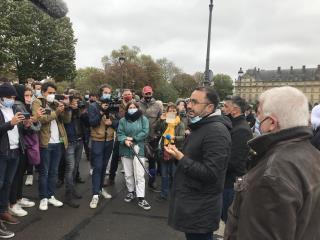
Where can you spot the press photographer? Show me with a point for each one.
(103, 126)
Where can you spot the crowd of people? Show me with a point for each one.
(254, 168)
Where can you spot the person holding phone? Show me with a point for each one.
(11, 145)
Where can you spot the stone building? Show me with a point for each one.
(253, 82)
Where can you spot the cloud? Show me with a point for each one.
(245, 33)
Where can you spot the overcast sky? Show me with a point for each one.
(245, 33)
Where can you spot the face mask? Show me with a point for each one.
(132, 111)
(91, 100)
(50, 98)
(195, 119)
(37, 93)
(86, 97)
(106, 96)
(183, 112)
(148, 99)
(257, 126)
(7, 102)
(128, 98)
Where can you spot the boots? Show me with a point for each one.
(69, 200)
(76, 195)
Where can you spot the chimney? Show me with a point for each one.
(279, 69)
(303, 68)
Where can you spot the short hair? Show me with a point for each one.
(211, 95)
(288, 104)
(134, 103)
(28, 89)
(126, 90)
(36, 83)
(171, 105)
(46, 85)
(228, 98)
(103, 86)
(240, 102)
(4, 79)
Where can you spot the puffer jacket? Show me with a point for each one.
(279, 198)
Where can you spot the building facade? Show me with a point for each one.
(253, 82)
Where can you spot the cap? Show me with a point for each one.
(147, 89)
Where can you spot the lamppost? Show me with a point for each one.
(240, 75)
(121, 60)
(207, 74)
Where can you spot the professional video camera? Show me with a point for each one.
(114, 103)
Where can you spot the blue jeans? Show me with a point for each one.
(8, 168)
(48, 169)
(199, 236)
(228, 194)
(100, 153)
(168, 169)
(73, 157)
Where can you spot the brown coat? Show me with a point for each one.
(45, 120)
(279, 198)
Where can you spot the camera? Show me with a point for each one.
(114, 104)
(47, 111)
(26, 115)
(59, 97)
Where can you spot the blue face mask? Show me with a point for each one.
(106, 96)
(7, 102)
(132, 111)
(195, 119)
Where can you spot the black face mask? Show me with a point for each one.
(92, 100)
(148, 99)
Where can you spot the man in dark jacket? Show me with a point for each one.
(237, 165)
(279, 198)
(196, 197)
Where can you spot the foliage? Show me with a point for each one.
(34, 44)
(184, 84)
(168, 69)
(166, 93)
(223, 85)
(89, 79)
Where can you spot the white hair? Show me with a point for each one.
(288, 104)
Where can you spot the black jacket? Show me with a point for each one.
(237, 165)
(196, 197)
(315, 140)
(279, 198)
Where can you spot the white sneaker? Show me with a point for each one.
(29, 180)
(17, 211)
(43, 206)
(26, 203)
(94, 201)
(105, 194)
(91, 171)
(55, 202)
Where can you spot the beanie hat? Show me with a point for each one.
(7, 90)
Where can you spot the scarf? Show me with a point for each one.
(171, 130)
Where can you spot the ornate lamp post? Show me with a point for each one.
(121, 60)
(240, 75)
(208, 73)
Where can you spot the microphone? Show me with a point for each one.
(54, 8)
(168, 137)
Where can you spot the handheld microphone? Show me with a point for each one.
(168, 137)
(54, 8)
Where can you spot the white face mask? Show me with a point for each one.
(132, 111)
(50, 98)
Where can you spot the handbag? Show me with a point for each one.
(32, 145)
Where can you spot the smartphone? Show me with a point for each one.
(47, 111)
(26, 115)
(59, 97)
(71, 98)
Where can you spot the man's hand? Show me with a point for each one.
(60, 107)
(129, 139)
(108, 122)
(128, 143)
(18, 118)
(163, 116)
(174, 152)
(74, 104)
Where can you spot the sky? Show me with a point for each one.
(245, 33)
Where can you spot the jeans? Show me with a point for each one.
(114, 161)
(100, 153)
(8, 168)
(167, 171)
(73, 157)
(48, 169)
(199, 236)
(228, 194)
(17, 183)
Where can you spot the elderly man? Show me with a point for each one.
(279, 198)
(196, 197)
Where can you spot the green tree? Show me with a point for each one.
(184, 84)
(223, 85)
(168, 69)
(32, 44)
(89, 79)
(166, 93)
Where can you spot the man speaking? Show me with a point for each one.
(196, 197)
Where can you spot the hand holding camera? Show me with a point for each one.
(18, 118)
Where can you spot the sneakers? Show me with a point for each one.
(7, 218)
(26, 203)
(130, 196)
(94, 201)
(55, 202)
(17, 211)
(29, 180)
(153, 188)
(144, 204)
(4, 233)
(105, 194)
(43, 206)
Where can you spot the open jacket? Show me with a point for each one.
(196, 194)
(279, 198)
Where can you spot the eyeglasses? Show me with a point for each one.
(195, 102)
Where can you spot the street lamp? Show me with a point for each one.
(121, 60)
(207, 74)
(240, 75)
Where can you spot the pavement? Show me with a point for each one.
(113, 219)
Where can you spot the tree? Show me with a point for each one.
(34, 44)
(223, 85)
(184, 84)
(168, 69)
(89, 79)
(166, 93)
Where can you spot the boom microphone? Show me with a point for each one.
(54, 8)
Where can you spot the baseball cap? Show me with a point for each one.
(147, 89)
